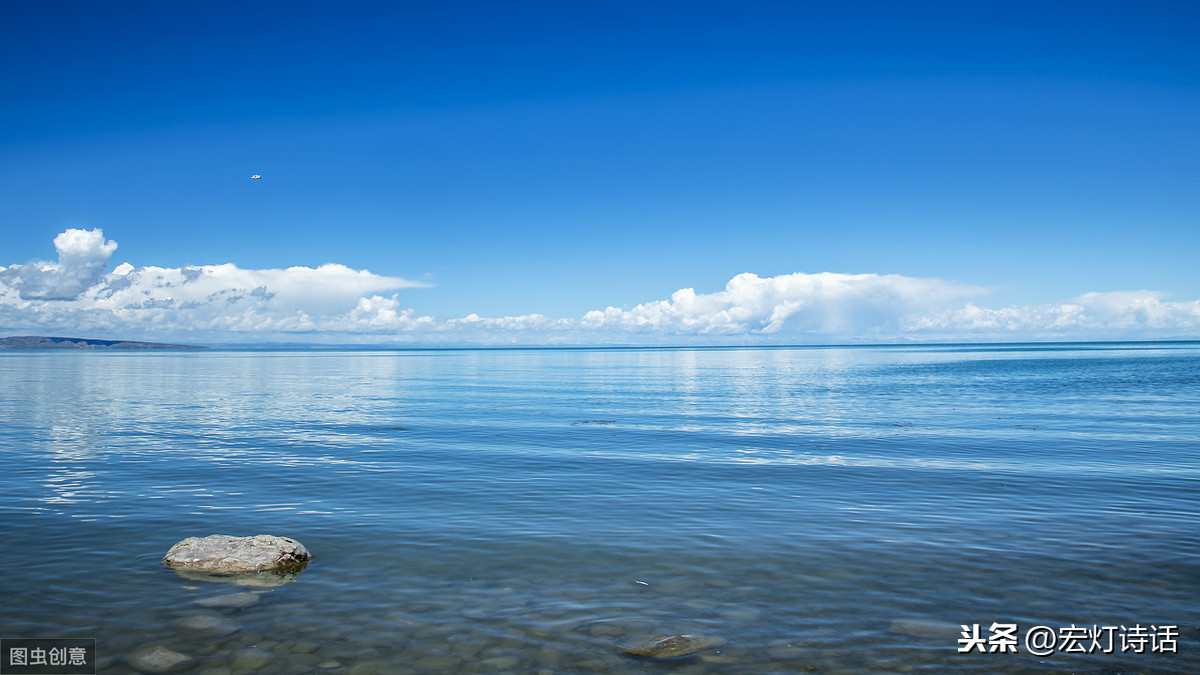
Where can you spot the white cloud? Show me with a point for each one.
(320, 291)
(824, 304)
(335, 303)
(209, 301)
(1111, 315)
(82, 260)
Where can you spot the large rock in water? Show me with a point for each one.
(673, 646)
(223, 554)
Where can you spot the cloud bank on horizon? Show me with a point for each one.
(81, 296)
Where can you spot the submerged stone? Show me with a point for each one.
(673, 646)
(304, 647)
(230, 600)
(924, 628)
(208, 623)
(223, 554)
(250, 659)
(157, 660)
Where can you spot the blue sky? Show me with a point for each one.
(955, 170)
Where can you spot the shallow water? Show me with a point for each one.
(836, 510)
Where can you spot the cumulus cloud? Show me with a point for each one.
(321, 291)
(826, 303)
(82, 261)
(79, 295)
(1114, 314)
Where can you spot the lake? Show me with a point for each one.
(823, 509)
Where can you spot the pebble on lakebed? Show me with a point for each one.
(673, 646)
(230, 600)
(157, 659)
(223, 554)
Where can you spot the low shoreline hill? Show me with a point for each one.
(43, 342)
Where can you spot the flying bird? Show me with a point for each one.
(256, 177)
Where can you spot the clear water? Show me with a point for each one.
(829, 510)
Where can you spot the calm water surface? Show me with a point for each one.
(828, 510)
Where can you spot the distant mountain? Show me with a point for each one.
(42, 342)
